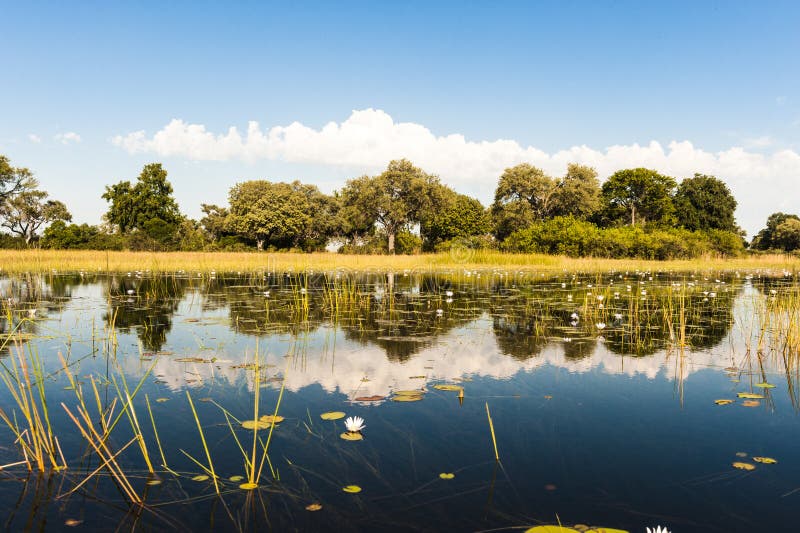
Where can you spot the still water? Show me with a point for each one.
(601, 390)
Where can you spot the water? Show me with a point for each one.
(611, 426)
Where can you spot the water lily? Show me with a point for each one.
(354, 424)
(601, 325)
(658, 529)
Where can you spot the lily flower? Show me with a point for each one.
(354, 424)
(658, 529)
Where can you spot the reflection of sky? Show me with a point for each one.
(324, 356)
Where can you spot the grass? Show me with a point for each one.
(25, 261)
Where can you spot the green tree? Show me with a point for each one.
(458, 216)
(148, 206)
(577, 194)
(766, 239)
(705, 202)
(787, 235)
(214, 221)
(638, 195)
(267, 212)
(13, 180)
(524, 195)
(395, 200)
(28, 210)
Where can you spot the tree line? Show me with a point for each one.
(634, 213)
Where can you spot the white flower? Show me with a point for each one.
(448, 293)
(601, 325)
(658, 529)
(354, 424)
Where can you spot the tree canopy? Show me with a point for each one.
(778, 235)
(638, 196)
(705, 202)
(148, 206)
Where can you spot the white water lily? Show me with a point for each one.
(354, 424)
(658, 529)
(601, 325)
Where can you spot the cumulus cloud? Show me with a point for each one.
(369, 138)
(67, 137)
(32, 137)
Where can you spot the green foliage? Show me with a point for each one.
(279, 215)
(705, 202)
(59, 235)
(522, 197)
(770, 239)
(407, 243)
(13, 180)
(147, 206)
(577, 193)
(576, 238)
(458, 216)
(396, 199)
(637, 196)
(26, 211)
(787, 235)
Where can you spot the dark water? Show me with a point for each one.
(611, 426)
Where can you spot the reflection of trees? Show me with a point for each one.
(145, 305)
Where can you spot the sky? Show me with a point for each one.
(223, 92)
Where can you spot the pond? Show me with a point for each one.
(492, 400)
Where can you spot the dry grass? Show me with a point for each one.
(14, 261)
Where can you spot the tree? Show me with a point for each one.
(458, 216)
(214, 221)
(705, 202)
(769, 238)
(148, 206)
(13, 180)
(787, 235)
(523, 196)
(394, 200)
(638, 195)
(266, 212)
(25, 212)
(577, 194)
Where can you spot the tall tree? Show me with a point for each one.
(458, 216)
(768, 238)
(524, 195)
(787, 235)
(13, 180)
(147, 205)
(25, 212)
(394, 200)
(577, 194)
(638, 196)
(705, 202)
(268, 213)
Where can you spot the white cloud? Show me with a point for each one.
(32, 137)
(369, 138)
(67, 138)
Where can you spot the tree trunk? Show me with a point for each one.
(391, 242)
(260, 244)
(633, 215)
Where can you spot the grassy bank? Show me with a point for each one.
(12, 261)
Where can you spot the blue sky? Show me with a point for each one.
(711, 87)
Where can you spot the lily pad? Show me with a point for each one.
(416, 392)
(248, 486)
(447, 475)
(352, 489)
(351, 435)
(375, 398)
(744, 466)
(273, 419)
(153, 482)
(765, 460)
(313, 507)
(407, 398)
(764, 385)
(724, 401)
(551, 529)
(751, 403)
(256, 424)
(236, 479)
(332, 415)
(750, 396)
(200, 477)
(448, 387)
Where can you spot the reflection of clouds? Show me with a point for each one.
(357, 370)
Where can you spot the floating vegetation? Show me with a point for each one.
(765, 460)
(313, 507)
(743, 466)
(374, 398)
(332, 415)
(750, 396)
(349, 435)
(447, 475)
(351, 489)
(448, 387)
(723, 401)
